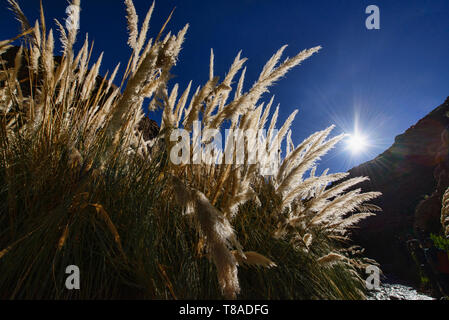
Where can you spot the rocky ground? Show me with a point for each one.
(393, 288)
(396, 292)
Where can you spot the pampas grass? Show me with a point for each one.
(79, 184)
(445, 213)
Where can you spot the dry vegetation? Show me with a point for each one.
(79, 185)
(445, 213)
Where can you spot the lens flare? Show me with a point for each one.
(356, 143)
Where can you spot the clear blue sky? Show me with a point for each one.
(385, 80)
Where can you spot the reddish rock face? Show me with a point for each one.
(149, 128)
(414, 170)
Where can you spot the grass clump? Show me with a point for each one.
(80, 186)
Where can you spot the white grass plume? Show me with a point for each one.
(445, 213)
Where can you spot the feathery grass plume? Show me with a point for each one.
(218, 233)
(74, 17)
(297, 167)
(63, 35)
(133, 21)
(139, 42)
(149, 79)
(48, 60)
(181, 104)
(268, 78)
(308, 186)
(445, 213)
(341, 205)
(239, 90)
(330, 259)
(20, 16)
(308, 239)
(252, 258)
(211, 65)
(144, 30)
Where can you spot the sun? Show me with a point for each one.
(356, 143)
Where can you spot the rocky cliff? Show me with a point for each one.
(412, 176)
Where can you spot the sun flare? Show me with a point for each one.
(356, 143)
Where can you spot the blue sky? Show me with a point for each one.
(384, 80)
